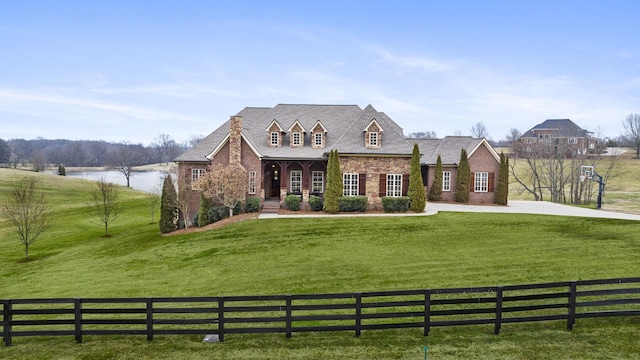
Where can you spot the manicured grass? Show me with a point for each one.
(284, 256)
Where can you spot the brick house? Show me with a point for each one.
(285, 151)
(558, 132)
(484, 164)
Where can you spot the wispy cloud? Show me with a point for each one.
(410, 62)
(22, 99)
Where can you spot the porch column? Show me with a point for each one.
(284, 179)
(306, 181)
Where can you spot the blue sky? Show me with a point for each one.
(131, 70)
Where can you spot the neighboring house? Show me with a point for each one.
(285, 151)
(484, 164)
(558, 132)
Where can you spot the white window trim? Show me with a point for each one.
(351, 183)
(394, 185)
(195, 175)
(373, 138)
(298, 180)
(314, 182)
(481, 181)
(446, 181)
(275, 136)
(296, 138)
(318, 136)
(252, 182)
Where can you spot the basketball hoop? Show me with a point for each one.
(586, 172)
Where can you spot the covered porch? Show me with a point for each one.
(298, 177)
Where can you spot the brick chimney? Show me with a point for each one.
(235, 131)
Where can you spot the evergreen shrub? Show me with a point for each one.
(353, 203)
(293, 202)
(395, 204)
(316, 203)
(252, 205)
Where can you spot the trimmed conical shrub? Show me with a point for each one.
(416, 187)
(435, 193)
(463, 178)
(168, 206)
(334, 184)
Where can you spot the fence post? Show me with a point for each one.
(7, 323)
(571, 319)
(77, 312)
(498, 324)
(288, 316)
(427, 312)
(221, 318)
(358, 314)
(149, 319)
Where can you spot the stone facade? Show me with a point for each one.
(373, 166)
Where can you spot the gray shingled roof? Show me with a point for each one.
(564, 128)
(345, 125)
(448, 148)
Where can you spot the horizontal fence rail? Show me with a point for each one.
(354, 312)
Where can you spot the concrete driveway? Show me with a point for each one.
(531, 207)
(515, 206)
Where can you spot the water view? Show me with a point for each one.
(139, 180)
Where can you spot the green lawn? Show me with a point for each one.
(284, 256)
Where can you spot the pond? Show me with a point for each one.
(139, 180)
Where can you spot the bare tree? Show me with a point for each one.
(553, 168)
(423, 135)
(153, 200)
(166, 147)
(105, 203)
(631, 127)
(28, 212)
(513, 136)
(5, 153)
(227, 185)
(125, 157)
(479, 131)
(193, 140)
(39, 160)
(185, 196)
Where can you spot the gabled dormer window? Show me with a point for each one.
(318, 135)
(296, 139)
(274, 132)
(275, 138)
(297, 132)
(373, 139)
(373, 135)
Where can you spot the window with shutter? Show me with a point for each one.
(382, 190)
(362, 184)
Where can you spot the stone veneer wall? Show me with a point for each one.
(373, 167)
(235, 137)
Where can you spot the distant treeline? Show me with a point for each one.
(40, 152)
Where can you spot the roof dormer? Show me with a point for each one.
(275, 133)
(318, 135)
(373, 135)
(296, 134)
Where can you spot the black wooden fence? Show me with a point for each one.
(353, 312)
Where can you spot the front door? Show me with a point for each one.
(275, 184)
(272, 177)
